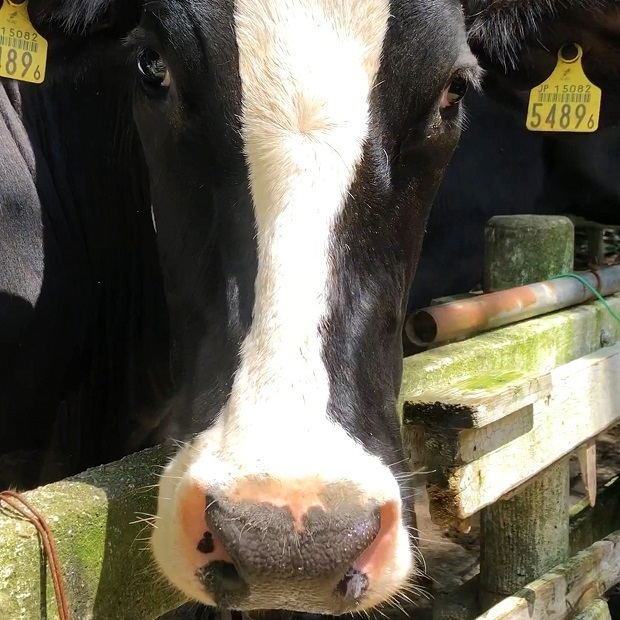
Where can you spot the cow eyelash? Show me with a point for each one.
(470, 77)
(140, 39)
(455, 90)
(473, 74)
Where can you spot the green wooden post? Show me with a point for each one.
(522, 249)
(524, 537)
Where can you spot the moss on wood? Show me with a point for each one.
(96, 518)
(531, 347)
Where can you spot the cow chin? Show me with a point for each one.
(312, 526)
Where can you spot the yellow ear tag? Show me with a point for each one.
(23, 51)
(566, 100)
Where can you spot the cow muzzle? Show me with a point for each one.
(300, 544)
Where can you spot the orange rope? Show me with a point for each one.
(17, 502)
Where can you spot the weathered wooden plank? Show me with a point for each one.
(96, 518)
(474, 468)
(524, 248)
(567, 589)
(587, 463)
(596, 610)
(530, 348)
(463, 407)
(517, 543)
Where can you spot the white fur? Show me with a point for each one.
(307, 68)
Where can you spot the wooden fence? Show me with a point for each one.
(493, 419)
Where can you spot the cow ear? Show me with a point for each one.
(77, 18)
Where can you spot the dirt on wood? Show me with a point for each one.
(452, 557)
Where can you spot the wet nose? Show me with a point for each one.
(271, 547)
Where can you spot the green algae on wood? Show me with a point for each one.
(95, 518)
(527, 535)
(521, 249)
(526, 348)
(488, 381)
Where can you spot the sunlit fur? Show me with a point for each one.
(305, 119)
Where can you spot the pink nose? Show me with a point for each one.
(294, 546)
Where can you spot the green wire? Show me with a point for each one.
(589, 286)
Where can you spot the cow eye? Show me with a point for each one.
(153, 69)
(454, 92)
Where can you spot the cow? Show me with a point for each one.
(292, 150)
(517, 43)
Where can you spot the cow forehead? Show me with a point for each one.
(306, 69)
(432, 27)
(279, 39)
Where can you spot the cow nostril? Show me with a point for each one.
(279, 547)
(205, 545)
(353, 585)
(222, 578)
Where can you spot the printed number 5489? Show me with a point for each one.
(561, 117)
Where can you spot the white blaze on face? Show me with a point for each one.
(307, 68)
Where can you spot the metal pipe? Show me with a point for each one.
(460, 319)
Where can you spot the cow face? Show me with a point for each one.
(518, 43)
(294, 148)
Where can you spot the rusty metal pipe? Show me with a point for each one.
(460, 319)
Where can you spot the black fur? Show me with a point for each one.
(83, 327)
(501, 27)
(517, 43)
(81, 18)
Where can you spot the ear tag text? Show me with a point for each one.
(23, 51)
(566, 101)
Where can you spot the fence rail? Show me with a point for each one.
(97, 521)
(572, 587)
(484, 443)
